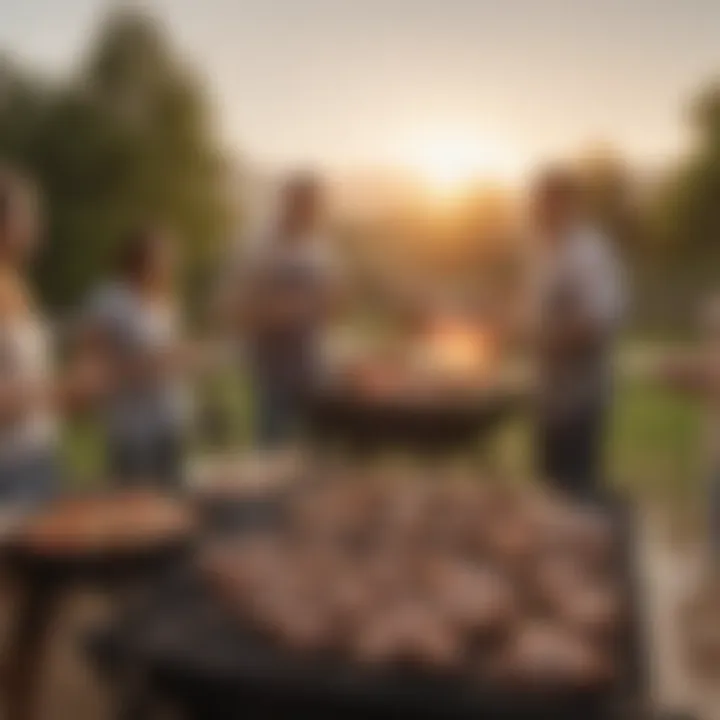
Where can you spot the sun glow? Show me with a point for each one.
(449, 162)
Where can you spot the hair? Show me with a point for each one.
(558, 185)
(136, 249)
(304, 183)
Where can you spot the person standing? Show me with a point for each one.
(281, 302)
(29, 470)
(133, 330)
(580, 301)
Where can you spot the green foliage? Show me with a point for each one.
(129, 139)
(689, 207)
(656, 443)
(611, 199)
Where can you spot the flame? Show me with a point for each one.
(450, 354)
(455, 348)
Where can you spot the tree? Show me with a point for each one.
(613, 198)
(684, 222)
(23, 102)
(129, 139)
(690, 206)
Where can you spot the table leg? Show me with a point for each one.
(134, 700)
(35, 614)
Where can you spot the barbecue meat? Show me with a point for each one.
(542, 654)
(392, 570)
(593, 612)
(410, 634)
(477, 601)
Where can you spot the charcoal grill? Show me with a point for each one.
(435, 424)
(198, 658)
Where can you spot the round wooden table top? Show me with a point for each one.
(114, 523)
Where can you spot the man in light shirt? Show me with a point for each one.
(283, 297)
(580, 299)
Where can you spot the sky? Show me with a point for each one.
(365, 83)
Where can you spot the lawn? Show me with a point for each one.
(657, 443)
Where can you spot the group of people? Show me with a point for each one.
(129, 357)
(130, 360)
(580, 302)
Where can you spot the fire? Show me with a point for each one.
(446, 354)
(454, 348)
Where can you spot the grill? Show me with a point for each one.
(436, 425)
(199, 658)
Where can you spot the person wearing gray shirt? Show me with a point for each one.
(281, 301)
(580, 298)
(133, 323)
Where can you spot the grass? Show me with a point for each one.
(657, 443)
(654, 445)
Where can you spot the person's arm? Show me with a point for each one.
(576, 330)
(18, 398)
(247, 304)
(185, 357)
(333, 301)
(89, 375)
(240, 303)
(18, 395)
(694, 373)
(228, 300)
(103, 354)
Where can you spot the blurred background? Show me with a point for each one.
(425, 119)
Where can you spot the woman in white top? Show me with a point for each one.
(28, 464)
(134, 327)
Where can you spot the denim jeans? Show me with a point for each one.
(31, 479)
(278, 408)
(154, 460)
(571, 448)
(714, 518)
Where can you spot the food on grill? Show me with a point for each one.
(510, 540)
(571, 530)
(554, 578)
(595, 612)
(303, 628)
(409, 634)
(445, 577)
(475, 600)
(118, 522)
(252, 476)
(548, 655)
(349, 599)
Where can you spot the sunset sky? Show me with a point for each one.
(349, 83)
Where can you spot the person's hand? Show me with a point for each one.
(289, 309)
(199, 357)
(688, 373)
(86, 383)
